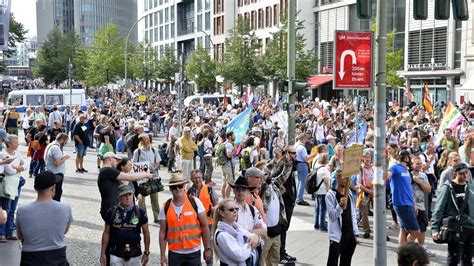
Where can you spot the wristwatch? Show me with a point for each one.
(146, 253)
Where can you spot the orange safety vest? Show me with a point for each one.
(184, 233)
(207, 202)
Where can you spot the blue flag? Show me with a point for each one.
(240, 124)
(361, 134)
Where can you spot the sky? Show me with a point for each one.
(25, 13)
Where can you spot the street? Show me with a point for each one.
(309, 246)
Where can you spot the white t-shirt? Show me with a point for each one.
(173, 132)
(323, 173)
(246, 220)
(8, 168)
(273, 213)
(207, 146)
(178, 210)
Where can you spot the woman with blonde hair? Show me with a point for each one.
(233, 245)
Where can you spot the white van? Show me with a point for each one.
(214, 99)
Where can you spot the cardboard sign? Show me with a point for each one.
(140, 167)
(142, 98)
(351, 165)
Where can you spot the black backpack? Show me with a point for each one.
(311, 179)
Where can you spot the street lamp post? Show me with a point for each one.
(126, 53)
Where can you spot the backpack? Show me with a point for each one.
(129, 139)
(221, 156)
(311, 179)
(167, 207)
(245, 162)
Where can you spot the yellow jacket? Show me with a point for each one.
(187, 147)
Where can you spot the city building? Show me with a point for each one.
(21, 63)
(85, 17)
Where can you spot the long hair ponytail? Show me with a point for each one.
(217, 218)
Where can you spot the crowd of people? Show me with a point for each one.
(245, 221)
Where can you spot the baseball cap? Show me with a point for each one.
(460, 168)
(46, 180)
(124, 189)
(137, 126)
(254, 172)
(111, 155)
(186, 129)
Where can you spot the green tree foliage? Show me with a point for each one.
(167, 65)
(240, 62)
(200, 68)
(16, 35)
(394, 61)
(142, 63)
(274, 62)
(105, 59)
(54, 54)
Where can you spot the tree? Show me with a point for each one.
(201, 69)
(167, 65)
(53, 56)
(16, 35)
(142, 64)
(274, 62)
(240, 61)
(394, 61)
(105, 59)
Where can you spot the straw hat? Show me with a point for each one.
(177, 179)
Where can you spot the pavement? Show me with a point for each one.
(309, 246)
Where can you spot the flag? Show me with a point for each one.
(244, 97)
(278, 103)
(240, 124)
(361, 134)
(409, 95)
(225, 101)
(427, 99)
(451, 119)
(251, 98)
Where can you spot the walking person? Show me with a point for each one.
(342, 224)
(81, 140)
(39, 143)
(43, 240)
(323, 178)
(455, 199)
(180, 216)
(208, 149)
(123, 235)
(55, 161)
(302, 168)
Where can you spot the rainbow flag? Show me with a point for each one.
(409, 95)
(427, 99)
(451, 119)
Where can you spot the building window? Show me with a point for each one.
(161, 17)
(327, 51)
(253, 20)
(268, 16)
(239, 3)
(199, 6)
(155, 33)
(161, 33)
(208, 5)
(199, 22)
(422, 47)
(276, 15)
(283, 5)
(166, 15)
(155, 3)
(167, 32)
(207, 24)
(172, 13)
(155, 18)
(457, 44)
(260, 18)
(172, 30)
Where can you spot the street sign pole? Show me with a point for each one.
(291, 70)
(380, 245)
(69, 75)
(180, 86)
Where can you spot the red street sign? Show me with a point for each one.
(353, 60)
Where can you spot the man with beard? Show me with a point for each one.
(55, 161)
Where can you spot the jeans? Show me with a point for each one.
(302, 169)
(320, 213)
(191, 259)
(59, 188)
(10, 207)
(90, 134)
(344, 249)
(37, 166)
(461, 251)
(202, 166)
(68, 127)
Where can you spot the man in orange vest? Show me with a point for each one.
(205, 193)
(183, 222)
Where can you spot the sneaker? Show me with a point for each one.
(3, 239)
(287, 259)
(84, 170)
(12, 238)
(388, 238)
(290, 258)
(366, 235)
(429, 252)
(303, 203)
(78, 170)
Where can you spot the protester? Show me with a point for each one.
(342, 223)
(81, 140)
(204, 193)
(43, 240)
(122, 235)
(193, 224)
(187, 148)
(455, 199)
(55, 161)
(37, 160)
(11, 121)
(208, 150)
(230, 242)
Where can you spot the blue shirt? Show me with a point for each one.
(400, 184)
(301, 153)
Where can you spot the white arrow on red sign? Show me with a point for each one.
(343, 56)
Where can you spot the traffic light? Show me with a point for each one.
(282, 86)
(460, 10)
(420, 9)
(364, 9)
(299, 87)
(442, 9)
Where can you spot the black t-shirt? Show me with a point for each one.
(108, 186)
(125, 227)
(105, 132)
(459, 195)
(346, 227)
(53, 132)
(81, 130)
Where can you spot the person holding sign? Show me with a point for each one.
(147, 153)
(342, 223)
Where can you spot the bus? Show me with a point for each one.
(22, 99)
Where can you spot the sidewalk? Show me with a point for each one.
(10, 253)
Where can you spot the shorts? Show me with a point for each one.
(422, 218)
(407, 218)
(81, 150)
(228, 173)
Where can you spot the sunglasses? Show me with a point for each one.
(177, 187)
(235, 209)
(292, 152)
